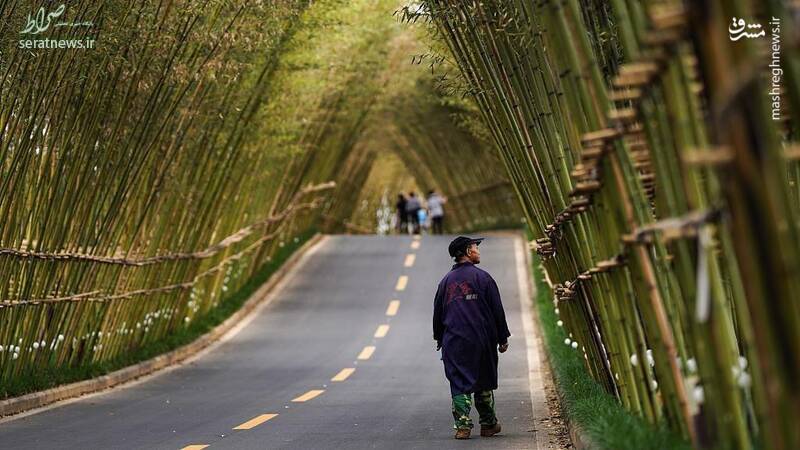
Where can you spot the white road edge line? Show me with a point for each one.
(535, 382)
(270, 296)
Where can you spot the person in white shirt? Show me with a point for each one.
(436, 211)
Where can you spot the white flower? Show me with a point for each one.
(15, 356)
(653, 384)
(699, 395)
(742, 362)
(1, 349)
(43, 343)
(744, 380)
(560, 323)
(574, 344)
(186, 319)
(60, 337)
(35, 345)
(691, 365)
(634, 360)
(568, 341)
(650, 359)
(557, 311)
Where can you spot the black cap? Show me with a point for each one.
(458, 246)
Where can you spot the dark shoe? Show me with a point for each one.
(490, 430)
(462, 433)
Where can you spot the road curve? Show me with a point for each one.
(273, 379)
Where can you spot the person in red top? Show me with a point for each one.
(469, 326)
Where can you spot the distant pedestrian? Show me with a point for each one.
(412, 211)
(402, 223)
(436, 211)
(469, 326)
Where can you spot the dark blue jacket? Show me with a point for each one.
(469, 323)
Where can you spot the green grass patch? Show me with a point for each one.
(605, 422)
(54, 376)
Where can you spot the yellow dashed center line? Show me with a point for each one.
(367, 352)
(343, 374)
(401, 283)
(394, 305)
(309, 395)
(195, 447)
(381, 331)
(410, 258)
(255, 421)
(414, 245)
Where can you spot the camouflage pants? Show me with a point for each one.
(484, 403)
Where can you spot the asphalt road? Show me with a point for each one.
(324, 318)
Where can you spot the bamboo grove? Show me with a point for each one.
(662, 194)
(147, 179)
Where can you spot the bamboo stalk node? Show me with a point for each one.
(713, 156)
(673, 228)
(623, 95)
(633, 80)
(665, 17)
(608, 264)
(585, 187)
(623, 115)
(603, 136)
(792, 152)
(662, 38)
(590, 153)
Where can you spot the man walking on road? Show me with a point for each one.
(469, 325)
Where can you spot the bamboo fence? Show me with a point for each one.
(663, 196)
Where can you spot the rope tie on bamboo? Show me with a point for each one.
(232, 239)
(569, 289)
